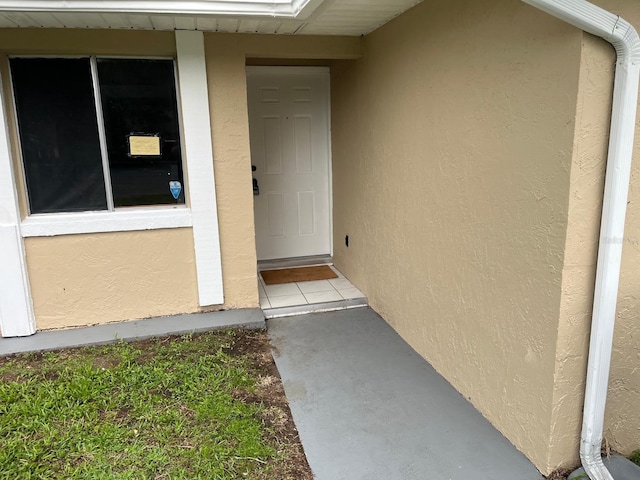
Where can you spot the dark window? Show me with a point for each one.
(60, 133)
(139, 98)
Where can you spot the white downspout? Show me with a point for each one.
(624, 38)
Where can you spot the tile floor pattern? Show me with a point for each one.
(306, 293)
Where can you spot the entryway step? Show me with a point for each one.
(295, 262)
(295, 298)
(314, 308)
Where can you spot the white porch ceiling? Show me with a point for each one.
(300, 17)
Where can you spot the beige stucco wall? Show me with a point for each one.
(98, 278)
(90, 279)
(452, 157)
(578, 274)
(622, 421)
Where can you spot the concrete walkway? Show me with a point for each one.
(368, 407)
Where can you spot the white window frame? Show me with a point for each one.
(112, 219)
(126, 220)
(16, 308)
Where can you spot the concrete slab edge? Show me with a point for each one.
(621, 468)
(315, 308)
(247, 318)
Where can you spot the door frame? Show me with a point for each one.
(293, 70)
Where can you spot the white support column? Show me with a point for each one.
(16, 309)
(198, 149)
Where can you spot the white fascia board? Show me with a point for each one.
(127, 220)
(17, 317)
(256, 8)
(198, 148)
(302, 9)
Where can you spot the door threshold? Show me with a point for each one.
(314, 308)
(295, 262)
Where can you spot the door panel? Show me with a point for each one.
(272, 145)
(275, 215)
(289, 131)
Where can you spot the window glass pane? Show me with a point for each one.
(58, 134)
(141, 122)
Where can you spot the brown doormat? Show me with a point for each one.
(300, 274)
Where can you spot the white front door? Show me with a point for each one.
(289, 131)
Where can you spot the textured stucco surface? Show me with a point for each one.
(91, 279)
(232, 166)
(622, 421)
(578, 274)
(452, 150)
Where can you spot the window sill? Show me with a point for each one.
(99, 222)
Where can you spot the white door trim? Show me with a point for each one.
(319, 70)
(330, 160)
(17, 318)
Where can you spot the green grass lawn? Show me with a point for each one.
(205, 406)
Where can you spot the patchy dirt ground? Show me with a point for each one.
(560, 474)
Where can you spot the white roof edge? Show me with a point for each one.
(304, 8)
(256, 8)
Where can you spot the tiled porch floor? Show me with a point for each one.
(307, 293)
